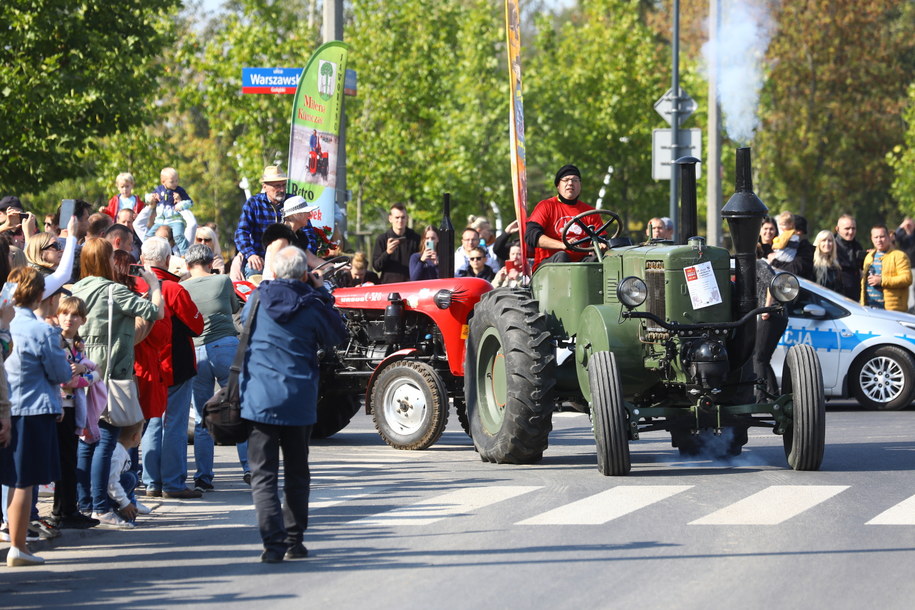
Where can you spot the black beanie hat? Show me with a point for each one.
(566, 170)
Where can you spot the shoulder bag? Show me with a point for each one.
(222, 413)
(123, 397)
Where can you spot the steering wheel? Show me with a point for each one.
(338, 263)
(600, 235)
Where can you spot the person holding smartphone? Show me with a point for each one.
(424, 264)
(393, 248)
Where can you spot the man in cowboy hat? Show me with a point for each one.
(258, 213)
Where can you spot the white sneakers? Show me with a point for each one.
(143, 509)
(112, 521)
(16, 558)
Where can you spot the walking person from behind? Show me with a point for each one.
(279, 391)
(888, 274)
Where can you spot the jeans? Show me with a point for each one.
(92, 466)
(213, 362)
(178, 227)
(280, 527)
(164, 444)
(129, 482)
(242, 449)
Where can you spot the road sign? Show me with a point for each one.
(662, 156)
(665, 106)
(270, 80)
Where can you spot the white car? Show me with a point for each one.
(865, 353)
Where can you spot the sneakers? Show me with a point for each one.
(112, 521)
(272, 556)
(76, 521)
(31, 534)
(184, 494)
(142, 508)
(46, 530)
(17, 558)
(297, 551)
(202, 486)
(247, 478)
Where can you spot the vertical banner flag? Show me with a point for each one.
(516, 119)
(314, 134)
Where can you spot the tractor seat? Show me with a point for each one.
(619, 242)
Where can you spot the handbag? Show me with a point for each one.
(222, 412)
(123, 407)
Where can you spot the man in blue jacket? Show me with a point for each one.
(279, 394)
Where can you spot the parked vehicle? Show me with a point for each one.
(865, 353)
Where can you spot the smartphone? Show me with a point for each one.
(509, 266)
(430, 244)
(6, 295)
(66, 211)
(401, 238)
(135, 270)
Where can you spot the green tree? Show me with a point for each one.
(831, 108)
(71, 72)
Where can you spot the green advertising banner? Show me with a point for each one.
(315, 132)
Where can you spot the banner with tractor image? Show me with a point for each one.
(315, 131)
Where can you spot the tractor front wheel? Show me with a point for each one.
(509, 375)
(805, 439)
(409, 405)
(609, 415)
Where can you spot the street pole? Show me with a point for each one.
(675, 119)
(713, 171)
(333, 30)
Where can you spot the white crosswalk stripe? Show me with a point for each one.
(451, 504)
(901, 514)
(771, 506)
(606, 506)
(324, 497)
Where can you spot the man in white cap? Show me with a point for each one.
(258, 213)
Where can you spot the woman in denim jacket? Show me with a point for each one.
(36, 367)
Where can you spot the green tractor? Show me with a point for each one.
(655, 336)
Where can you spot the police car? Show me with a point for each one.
(865, 353)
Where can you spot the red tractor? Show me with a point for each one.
(405, 356)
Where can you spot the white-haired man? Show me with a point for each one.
(164, 443)
(279, 392)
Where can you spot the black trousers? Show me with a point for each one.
(281, 526)
(67, 444)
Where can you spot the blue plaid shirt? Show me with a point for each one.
(258, 214)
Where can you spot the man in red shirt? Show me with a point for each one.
(545, 224)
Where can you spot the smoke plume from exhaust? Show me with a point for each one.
(743, 38)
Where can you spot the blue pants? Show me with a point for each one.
(213, 362)
(129, 482)
(164, 443)
(93, 464)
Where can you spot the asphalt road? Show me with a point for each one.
(440, 529)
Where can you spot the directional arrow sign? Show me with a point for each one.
(665, 106)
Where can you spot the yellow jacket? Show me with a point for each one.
(895, 279)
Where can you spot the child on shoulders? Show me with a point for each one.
(170, 200)
(125, 199)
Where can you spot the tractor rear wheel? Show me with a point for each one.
(509, 376)
(609, 415)
(805, 438)
(335, 409)
(409, 405)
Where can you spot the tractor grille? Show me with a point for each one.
(654, 278)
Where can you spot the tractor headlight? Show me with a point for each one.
(632, 291)
(784, 287)
(442, 299)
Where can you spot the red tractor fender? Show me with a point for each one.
(396, 356)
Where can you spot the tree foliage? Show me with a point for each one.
(831, 108)
(71, 72)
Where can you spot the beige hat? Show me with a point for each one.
(272, 173)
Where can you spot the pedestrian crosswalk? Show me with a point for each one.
(770, 506)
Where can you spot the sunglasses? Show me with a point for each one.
(476, 258)
(51, 246)
(202, 239)
(49, 224)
